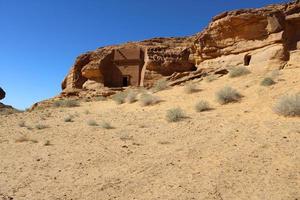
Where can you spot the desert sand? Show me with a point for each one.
(237, 151)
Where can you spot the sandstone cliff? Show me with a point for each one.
(262, 39)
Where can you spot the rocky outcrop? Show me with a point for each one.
(262, 39)
(134, 63)
(266, 38)
(2, 93)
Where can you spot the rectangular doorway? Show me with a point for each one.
(125, 81)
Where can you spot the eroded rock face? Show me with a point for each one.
(263, 39)
(130, 64)
(259, 38)
(2, 93)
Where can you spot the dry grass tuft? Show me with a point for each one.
(160, 85)
(228, 95)
(148, 99)
(202, 106)
(175, 115)
(238, 71)
(288, 105)
(267, 81)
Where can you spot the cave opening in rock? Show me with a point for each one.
(247, 60)
(125, 81)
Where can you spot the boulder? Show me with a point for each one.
(2, 93)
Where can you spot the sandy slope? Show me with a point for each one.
(236, 151)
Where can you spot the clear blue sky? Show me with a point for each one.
(40, 39)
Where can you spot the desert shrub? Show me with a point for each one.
(86, 112)
(120, 97)
(202, 106)
(22, 124)
(190, 88)
(175, 115)
(267, 81)
(66, 103)
(148, 99)
(68, 119)
(58, 103)
(41, 126)
(228, 95)
(238, 71)
(131, 97)
(288, 105)
(160, 85)
(106, 125)
(210, 78)
(92, 122)
(47, 143)
(275, 73)
(100, 98)
(71, 103)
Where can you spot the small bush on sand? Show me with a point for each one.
(267, 82)
(175, 115)
(202, 106)
(68, 119)
(131, 97)
(210, 78)
(100, 98)
(238, 71)
(148, 99)
(160, 85)
(71, 103)
(190, 88)
(106, 125)
(92, 123)
(22, 124)
(288, 105)
(41, 126)
(66, 103)
(228, 95)
(120, 97)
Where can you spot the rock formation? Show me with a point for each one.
(2, 93)
(266, 38)
(262, 39)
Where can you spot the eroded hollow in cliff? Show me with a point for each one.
(247, 60)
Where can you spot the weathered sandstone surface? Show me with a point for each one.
(262, 39)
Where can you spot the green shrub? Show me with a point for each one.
(190, 88)
(175, 115)
(41, 126)
(106, 125)
(288, 105)
(92, 123)
(202, 106)
(238, 71)
(148, 99)
(100, 98)
(22, 124)
(66, 103)
(120, 97)
(68, 119)
(160, 85)
(210, 78)
(71, 103)
(267, 82)
(228, 95)
(131, 97)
